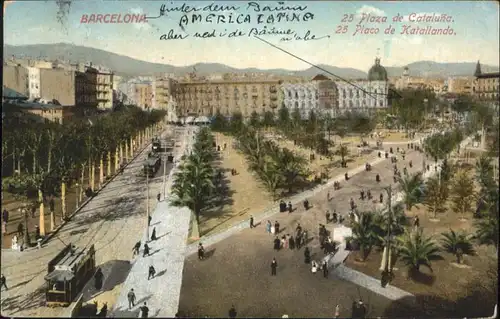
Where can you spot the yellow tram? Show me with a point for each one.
(68, 272)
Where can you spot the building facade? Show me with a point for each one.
(227, 96)
(34, 82)
(164, 89)
(486, 86)
(69, 87)
(16, 78)
(365, 96)
(104, 89)
(318, 95)
(143, 95)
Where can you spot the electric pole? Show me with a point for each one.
(387, 262)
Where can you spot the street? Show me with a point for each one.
(113, 221)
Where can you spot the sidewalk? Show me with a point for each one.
(167, 256)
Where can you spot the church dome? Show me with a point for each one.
(377, 72)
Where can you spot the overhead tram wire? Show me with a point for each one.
(322, 69)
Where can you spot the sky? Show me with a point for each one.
(475, 26)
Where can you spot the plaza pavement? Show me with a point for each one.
(167, 254)
(113, 221)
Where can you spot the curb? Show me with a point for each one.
(83, 204)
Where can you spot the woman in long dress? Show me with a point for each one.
(314, 267)
(273, 230)
(268, 227)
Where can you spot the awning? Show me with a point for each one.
(60, 275)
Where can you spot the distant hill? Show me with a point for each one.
(127, 67)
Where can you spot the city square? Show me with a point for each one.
(154, 181)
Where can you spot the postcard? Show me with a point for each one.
(258, 159)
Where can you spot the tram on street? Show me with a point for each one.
(152, 164)
(68, 272)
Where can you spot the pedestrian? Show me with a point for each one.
(416, 222)
(287, 241)
(20, 230)
(283, 242)
(314, 267)
(201, 251)
(306, 204)
(146, 250)
(274, 265)
(277, 227)
(151, 272)
(337, 311)
(276, 243)
(381, 198)
(144, 311)
(362, 195)
(346, 176)
(328, 196)
(298, 229)
(307, 256)
(5, 215)
(377, 178)
(290, 207)
(158, 196)
(131, 298)
(351, 203)
(136, 248)
(273, 230)
(324, 267)
(232, 312)
(3, 282)
(37, 232)
(251, 222)
(327, 216)
(291, 243)
(98, 279)
(153, 234)
(104, 310)
(268, 227)
(149, 220)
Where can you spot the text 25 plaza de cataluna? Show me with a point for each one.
(113, 18)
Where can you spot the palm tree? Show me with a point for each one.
(291, 167)
(343, 152)
(363, 232)
(457, 244)
(435, 196)
(415, 250)
(268, 119)
(487, 231)
(254, 119)
(462, 193)
(411, 186)
(484, 171)
(270, 177)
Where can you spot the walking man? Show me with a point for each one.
(274, 265)
(251, 222)
(151, 272)
(136, 248)
(232, 312)
(144, 311)
(146, 250)
(131, 298)
(20, 230)
(324, 267)
(3, 282)
(327, 215)
(201, 252)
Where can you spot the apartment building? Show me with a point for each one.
(486, 87)
(16, 78)
(163, 90)
(460, 85)
(143, 95)
(227, 96)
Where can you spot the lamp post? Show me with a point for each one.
(147, 205)
(77, 195)
(426, 102)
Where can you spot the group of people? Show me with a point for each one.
(284, 207)
(131, 303)
(290, 241)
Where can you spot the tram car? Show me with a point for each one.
(68, 272)
(152, 164)
(156, 145)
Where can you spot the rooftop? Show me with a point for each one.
(488, 75)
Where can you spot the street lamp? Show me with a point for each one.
(77, 195)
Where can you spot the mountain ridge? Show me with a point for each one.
(127, 66)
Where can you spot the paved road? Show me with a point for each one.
(113, 221)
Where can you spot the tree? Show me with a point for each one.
(487, 231)
(236, 122)
(363, 233)
(412, 187)
(219, 123)
(415, 250)
(457, 244)
(270, 177)
(435, 196)
(291, 167)
(254, 119)
(343, 152)
(268, 119)
(462, 193)
(283, 117)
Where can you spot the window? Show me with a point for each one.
(296, 95)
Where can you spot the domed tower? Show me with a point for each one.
(377, 72)
(478, 69)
